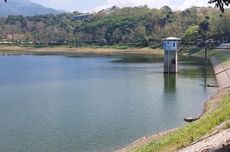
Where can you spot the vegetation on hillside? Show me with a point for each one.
(137, 26)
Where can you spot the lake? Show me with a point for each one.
(91, 104)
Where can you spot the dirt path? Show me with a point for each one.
(211, 144)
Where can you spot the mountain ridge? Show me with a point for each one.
(25, 8)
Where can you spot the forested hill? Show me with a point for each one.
(24, 7)
(138, 26)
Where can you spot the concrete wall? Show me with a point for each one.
(222, 73)
(170, 61)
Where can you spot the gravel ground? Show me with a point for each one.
(216, 143)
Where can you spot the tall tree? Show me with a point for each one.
(220, 3)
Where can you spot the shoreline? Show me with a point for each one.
(222, 75)
(208, 106)
(144, 140)
(78, 51)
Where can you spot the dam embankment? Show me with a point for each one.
(222, 73)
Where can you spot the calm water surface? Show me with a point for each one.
(63, 104)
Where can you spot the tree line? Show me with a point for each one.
(131, 26)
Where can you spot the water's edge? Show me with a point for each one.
(222, 82)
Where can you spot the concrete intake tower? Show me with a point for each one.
(170, 46)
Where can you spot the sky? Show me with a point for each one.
(96, 5)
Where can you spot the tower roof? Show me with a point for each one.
(171, 39)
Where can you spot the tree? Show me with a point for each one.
(191, 33)
(167, 15)
(204, 26)
(220, 3)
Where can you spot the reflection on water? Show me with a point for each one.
(170, 83)
(205, 75)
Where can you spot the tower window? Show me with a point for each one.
(174, 44)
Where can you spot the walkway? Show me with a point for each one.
(224, 45)
(211, 144)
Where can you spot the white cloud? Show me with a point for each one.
(188, 3)
(175, 4)
(127, 3)
(96, 5)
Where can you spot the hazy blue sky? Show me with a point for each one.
(94, 5)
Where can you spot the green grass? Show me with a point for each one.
(191, 132)
(115, 46)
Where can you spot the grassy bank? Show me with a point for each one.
(194, 131)
(191, 132)
(81, 50)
